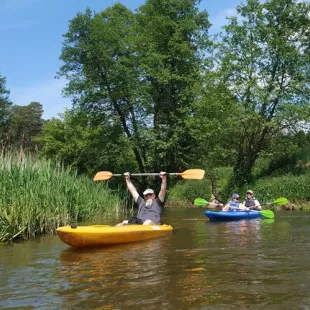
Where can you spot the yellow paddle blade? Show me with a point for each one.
(193, 174)
(103, 175)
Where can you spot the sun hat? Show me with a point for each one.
(148, 191)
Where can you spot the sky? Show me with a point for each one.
(31, 41)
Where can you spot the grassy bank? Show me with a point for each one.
(37, 196)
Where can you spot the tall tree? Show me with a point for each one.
(5, 105)
(25, 124)
(172, 40)
(265, 60)
(101, 66)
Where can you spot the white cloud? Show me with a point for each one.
(48, 93)
(220, 20)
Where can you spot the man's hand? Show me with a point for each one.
(127, 176)
(163, 175)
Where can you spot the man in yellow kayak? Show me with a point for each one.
(149, 208)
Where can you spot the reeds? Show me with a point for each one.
(37, 196)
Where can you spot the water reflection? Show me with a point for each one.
(104, 276)
(248, 264)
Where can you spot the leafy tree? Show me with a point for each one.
(172, 40)
(265, 64)
(25, 124)
(101, 66)
(5, 105)
(87, 142)
(140, 70)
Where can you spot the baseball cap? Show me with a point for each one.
(250, 191)
(235, 196)
(148, 191)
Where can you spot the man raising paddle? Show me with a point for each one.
(149, 208)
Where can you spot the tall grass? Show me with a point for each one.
(37, 196)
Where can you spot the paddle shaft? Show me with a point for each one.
(145, 174)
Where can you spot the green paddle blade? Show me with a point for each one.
(281, 201)
(267, 213)
(200, 202)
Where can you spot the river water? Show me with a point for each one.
(254, 264)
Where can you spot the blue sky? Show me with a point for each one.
(31, 40)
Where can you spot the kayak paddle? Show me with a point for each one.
(201, 202)
(278, 201)
(267, 213)
(190, 174)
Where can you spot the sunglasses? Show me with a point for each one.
(147, 195)
(236, 198)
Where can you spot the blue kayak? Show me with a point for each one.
(232, 215)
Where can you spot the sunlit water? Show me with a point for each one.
(255, 264)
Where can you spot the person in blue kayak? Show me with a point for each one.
(149, 208)
(235, 204)
(251, 202)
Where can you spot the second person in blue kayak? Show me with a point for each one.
(149, 208)
(234, 204)
(251, 202)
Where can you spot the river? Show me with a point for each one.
(251, 264)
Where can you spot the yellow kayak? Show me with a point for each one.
(101, 235)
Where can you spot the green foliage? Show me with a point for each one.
(100, 63)
(295, 188)
(288, 154)
(80, 140)
(172, 39)
(140, 71)
(189, 190)
(25, 125)
(38, 196)
(214, 129)
(214, 182)
(264, 62)
(5, 105)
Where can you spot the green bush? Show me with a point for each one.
(188, 190)
(295, 188)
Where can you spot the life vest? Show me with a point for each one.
(250, 203)
(234, 205)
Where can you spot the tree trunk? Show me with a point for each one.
(242, 173)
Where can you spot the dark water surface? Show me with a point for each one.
(256, 264)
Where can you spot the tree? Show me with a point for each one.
(265, 64)
(25, 124)
(140, 71)
(5, 105)
(101, 66)
(81, 140)
(172, 41)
